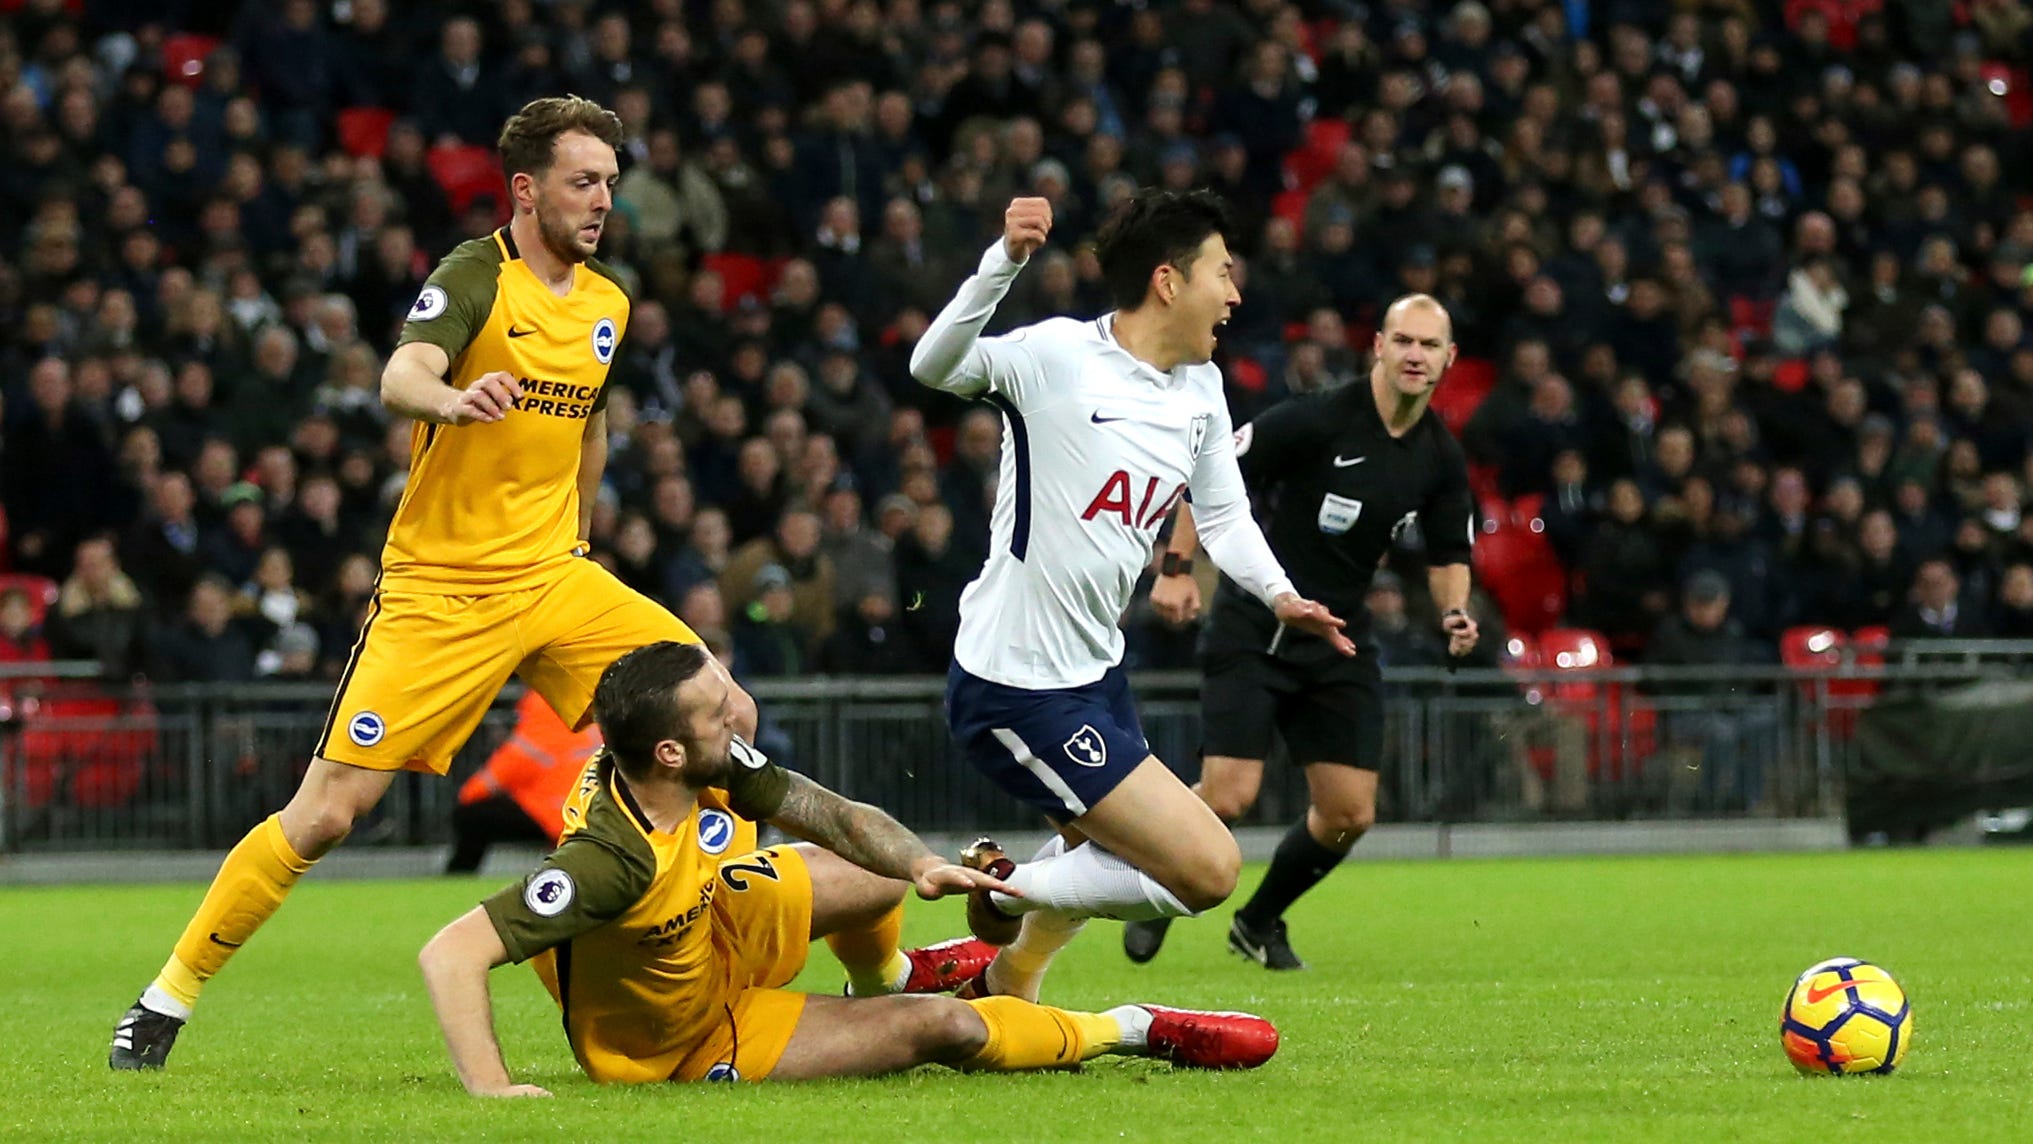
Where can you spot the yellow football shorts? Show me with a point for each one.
(762, 929)
(426, 667)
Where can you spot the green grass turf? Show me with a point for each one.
(1609, 999)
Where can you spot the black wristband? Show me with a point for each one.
(1174, 564)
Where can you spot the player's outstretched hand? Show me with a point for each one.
(1024, 227)
(935, 880)
(1176, 599)
(1295, 611)
(512, 1090)
(488, 399)
(1462, 632)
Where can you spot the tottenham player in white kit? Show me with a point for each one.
(1110, 423)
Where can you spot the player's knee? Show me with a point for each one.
(326, 825)
(1228, 802)
(1209, 879)
(1342, 825)
(316, 821)
(949, 1031)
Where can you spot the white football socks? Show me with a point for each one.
(1136, 1027)
(155, 999)
(1089, 882)
(1019, 967)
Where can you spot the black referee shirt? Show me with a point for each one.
(1335, 489)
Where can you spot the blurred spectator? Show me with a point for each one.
(55, 471)
(163, 549)
(1695, 246)
(100, 614)
(208, 646)
(868, 640)
(672, 203)
(1623, 567)
(930, 577)
(291, 657)
(1731, 742)
(454, 97)
(1935, 609)
(235, 548)
(1400, 641)
(794, 550)
(767, 641)
(21, 639)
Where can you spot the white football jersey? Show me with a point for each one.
(1098, 448)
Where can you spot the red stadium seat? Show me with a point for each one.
(183, 57)
(1290, 206)
(1790, 376)
(363, 131)
(467, 172)
(1461, 392)
(1316, 155)
(42, 591)
(1811, 645)
(1575, 649)
(1749, 317)
(2015, 87)
(1482, 482)
(85, 750)
(1622, 727)
(741, 275)
(1522, 573)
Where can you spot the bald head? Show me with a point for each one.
(1424, 304)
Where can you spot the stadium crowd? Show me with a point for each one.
(1742, 289)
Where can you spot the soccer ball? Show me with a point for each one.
(1844, 1017)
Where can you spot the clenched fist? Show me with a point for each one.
(1024, 227)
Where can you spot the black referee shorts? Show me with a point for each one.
(1327, 712)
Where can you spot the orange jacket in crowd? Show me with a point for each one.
(537, 766)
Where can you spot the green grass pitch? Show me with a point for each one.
(1607, 999)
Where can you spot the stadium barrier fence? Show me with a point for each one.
(88, 766)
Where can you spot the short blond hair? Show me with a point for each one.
(529, 138)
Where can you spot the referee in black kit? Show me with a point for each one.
(1339, 474)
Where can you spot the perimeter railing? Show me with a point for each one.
(89, 766)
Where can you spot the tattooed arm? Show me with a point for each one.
(871, 839)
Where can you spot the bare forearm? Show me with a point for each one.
(455, 972)
(1449, 585)
(411, 388)
(592, 463)
(858, 832)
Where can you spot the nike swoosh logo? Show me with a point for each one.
(1345, 462)
(222, 941)
(1816, 994)
(1098, 419)
(515, 333)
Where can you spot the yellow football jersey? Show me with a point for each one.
(616, 921)
(493, 507)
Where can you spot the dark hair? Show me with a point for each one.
(1151, 229)
(636, 701)
(530, 136)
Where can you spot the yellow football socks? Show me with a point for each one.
(874, 963)
(1022, 1035)
(256, 877)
